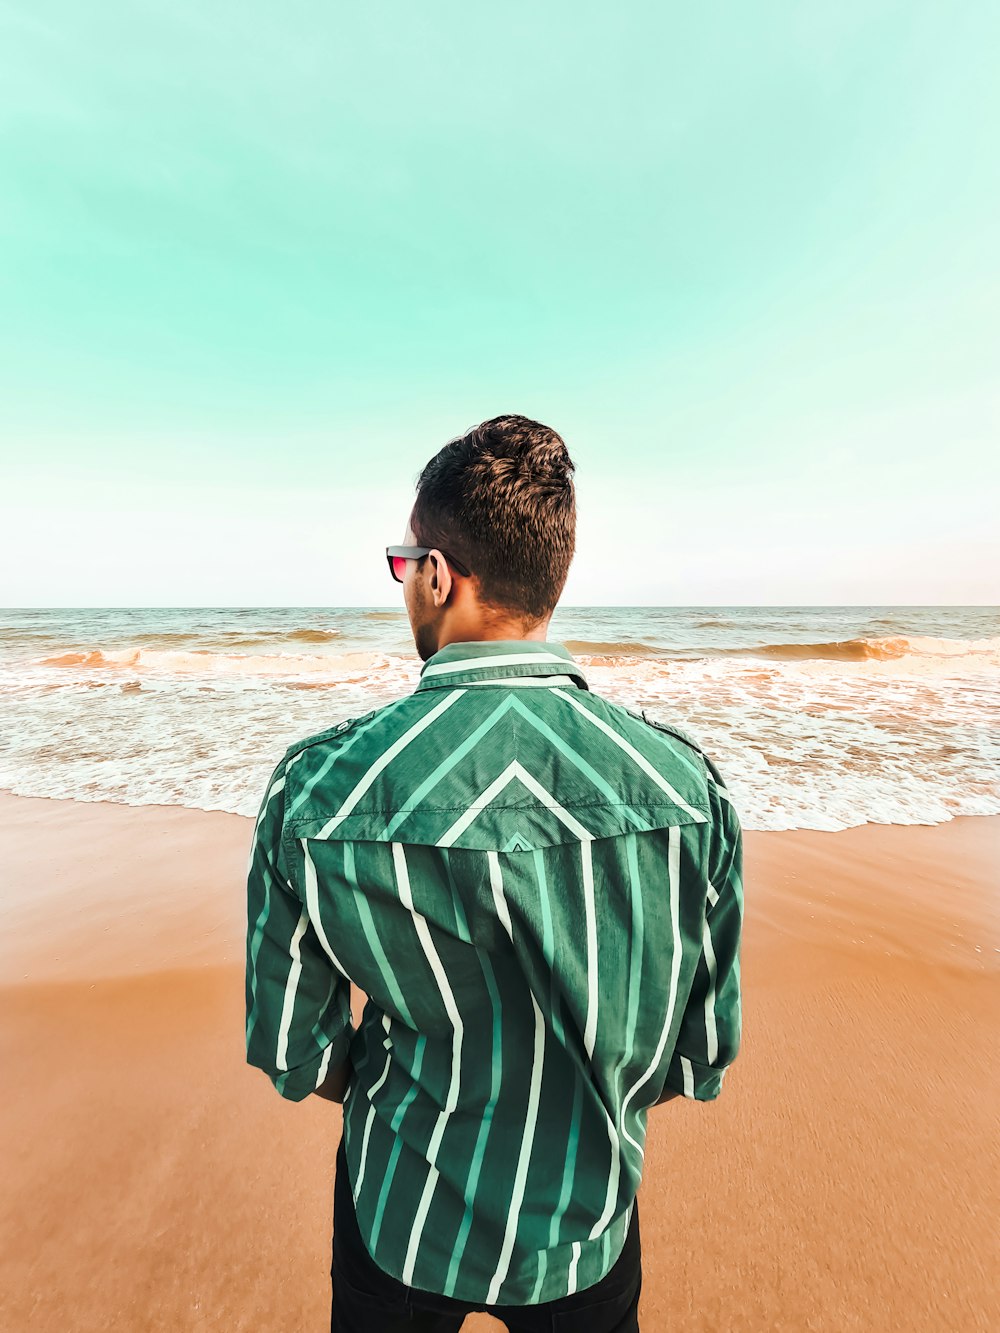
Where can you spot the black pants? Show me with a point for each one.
(367, 1300)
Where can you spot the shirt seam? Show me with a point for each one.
(300, 820)
(467, 678)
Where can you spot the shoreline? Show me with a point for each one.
(8, 793)
(846, 1177)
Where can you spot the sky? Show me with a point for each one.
(258, 263)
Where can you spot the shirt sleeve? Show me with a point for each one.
(711, 1028)
(298, 1005)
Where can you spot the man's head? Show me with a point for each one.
(500, 500)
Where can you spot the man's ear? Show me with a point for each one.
(439, 576)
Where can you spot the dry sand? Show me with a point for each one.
(847, 1178)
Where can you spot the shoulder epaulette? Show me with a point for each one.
(328, 734)
(670, 728)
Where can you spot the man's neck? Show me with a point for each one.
(490, 633)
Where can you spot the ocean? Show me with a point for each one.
(818, 717)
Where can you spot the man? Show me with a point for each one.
(540, 894)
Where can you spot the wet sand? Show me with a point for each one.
(846, 1179)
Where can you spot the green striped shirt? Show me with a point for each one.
(539, 892)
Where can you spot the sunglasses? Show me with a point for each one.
(397, 557)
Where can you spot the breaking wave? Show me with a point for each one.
(210, 662)
(860, 650)
(835, 650)
(205, 662)
(627, 648)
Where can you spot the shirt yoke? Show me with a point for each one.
(484, 754)
(640, 715)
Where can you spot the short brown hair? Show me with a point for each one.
(500, 498)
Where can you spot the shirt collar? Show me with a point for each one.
(498, 659)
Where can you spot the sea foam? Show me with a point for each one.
(818, 718)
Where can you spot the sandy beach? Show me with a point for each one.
(846, 1179)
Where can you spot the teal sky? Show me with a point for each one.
(259, 262)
